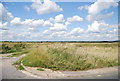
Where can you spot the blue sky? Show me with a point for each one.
(23, 22)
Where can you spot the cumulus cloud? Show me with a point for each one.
(30, 22)
(47, 32)
(27, 8)
(47, 23)
(3, 26)
(98, 17)
(5, 15)
(58, 19)
(33, 23)
(100, 5)
(83, 7)
(95, 9)
(58, 27)
(46, 7)
(67, 23)
(97, 26)
(77, 31)
(58, 34)
(16, 22)
(75, 19)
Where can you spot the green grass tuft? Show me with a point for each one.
(20, 67)
(40, 69)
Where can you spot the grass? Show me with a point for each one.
(20, 67)
(71, 57)
(12, 47)
(40, 57)
(64, 56)
(18, 54)
(40, 69)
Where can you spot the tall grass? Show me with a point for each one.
(72, 56)
(37, 57)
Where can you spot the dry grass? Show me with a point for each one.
(73, 56)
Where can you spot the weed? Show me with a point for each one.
(20, 67)
(40, 69)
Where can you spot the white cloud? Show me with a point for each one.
(48, 23)
(97, 26)
(27, 8)
(100, 5)
(16, 22)
(33, 23)
(67, 23)
(3, 26)
(109, 14)
(51, 19)
(77, 31)
(32, 29)
(4, 14)
(114, 26)
(30, 22)
(58, 27)
(75, 19)
(58, 34)
(47, 32)
(83, 7)
(95, 9)
(46, 7)
(115, 30)
(99, 17)
(58, 19)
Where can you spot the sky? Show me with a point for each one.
(59, 21)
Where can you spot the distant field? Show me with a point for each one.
(64, 56)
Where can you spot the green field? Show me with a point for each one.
(64, 56)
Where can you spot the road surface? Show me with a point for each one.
(10, 72)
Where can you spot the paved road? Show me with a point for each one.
(110, 73)
(10, 72)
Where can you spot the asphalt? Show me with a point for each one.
(10, 72)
